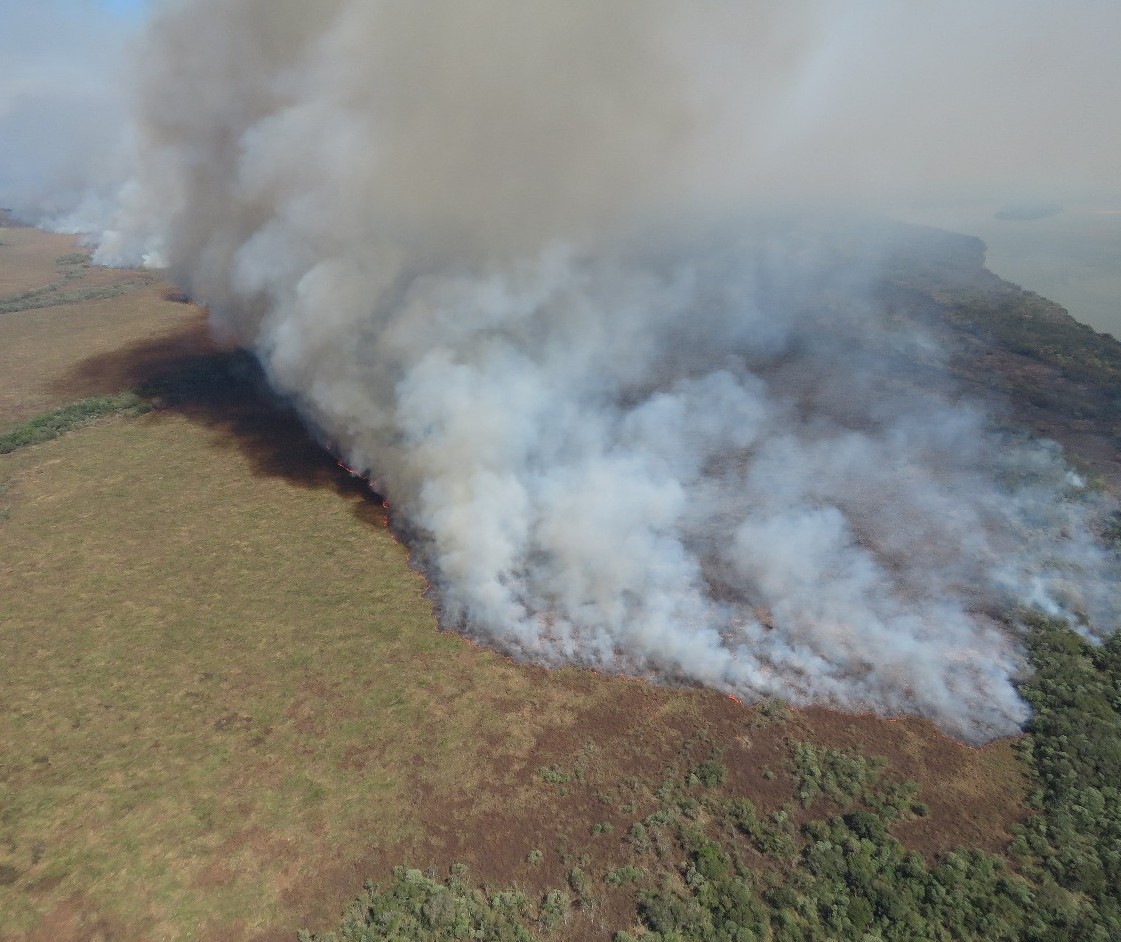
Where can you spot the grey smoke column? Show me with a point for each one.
(477, 243)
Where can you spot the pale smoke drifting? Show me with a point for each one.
(63, 120)
(470, 240)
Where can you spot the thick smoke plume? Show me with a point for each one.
(502, 255)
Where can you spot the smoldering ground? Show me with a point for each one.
(505, 256)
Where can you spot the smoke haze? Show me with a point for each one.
(64, 119)
(513, 258)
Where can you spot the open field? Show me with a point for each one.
(225, 701)
(41, 347)
(29, 257)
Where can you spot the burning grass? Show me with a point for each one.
(230, 704)
(226, 704)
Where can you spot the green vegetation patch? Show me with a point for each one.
(72, 259)
(1073, 843)
(1112, 533)
(73, 268)
(707, 867)
(53, 294)
(418, 908)
(839, 774)
(1028, 324)
(78, 414)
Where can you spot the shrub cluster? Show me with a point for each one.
(50, 425)
(54, 294)
(418, 908)
(1073, 749)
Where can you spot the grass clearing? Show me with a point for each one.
(42, 349)
(29, 257)
(175, 677)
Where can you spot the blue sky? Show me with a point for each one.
(125, 7)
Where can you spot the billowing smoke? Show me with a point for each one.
(510, 258)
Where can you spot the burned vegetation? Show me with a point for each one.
(699, 862)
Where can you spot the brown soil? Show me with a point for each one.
(633, 742)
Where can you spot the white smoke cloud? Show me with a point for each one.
(477, 243)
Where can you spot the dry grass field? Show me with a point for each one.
(224, 700)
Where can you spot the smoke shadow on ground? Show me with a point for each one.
(224, 390)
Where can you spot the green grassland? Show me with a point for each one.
(200, 683)
(51, 356)
(226, 704)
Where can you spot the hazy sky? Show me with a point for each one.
(872, 97)
(62, 111)
(947, 104)
(125, 7)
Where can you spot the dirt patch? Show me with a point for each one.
(628, 745)
(77, 920)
